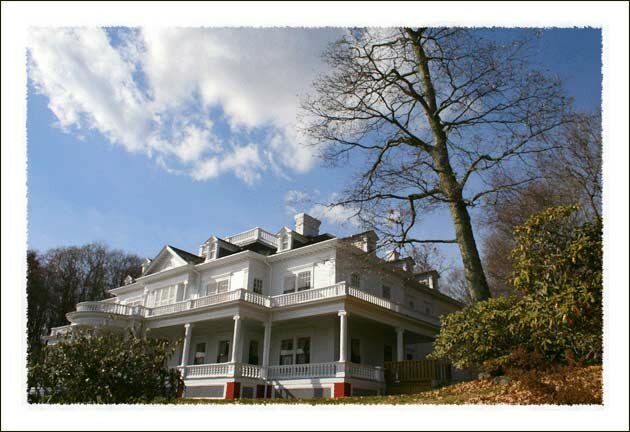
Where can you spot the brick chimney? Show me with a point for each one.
(307, 225)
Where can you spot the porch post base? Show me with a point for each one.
(342, 389)
(232, 390)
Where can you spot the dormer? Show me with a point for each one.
(145, 265)
(215, 248)
(129, 280)
(289, 239)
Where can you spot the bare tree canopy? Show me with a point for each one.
(568, 174)
(435, 113)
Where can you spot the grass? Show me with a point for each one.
(564, 386)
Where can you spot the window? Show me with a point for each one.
(388, 353)
(289, 284)
(258, 286)
(211, 253)
(164, 296)
(387, 292)
(355, 351)
(304, 280)
(303, 352)
(253, 352)
(355, 281)
(286, 352)
(284, 243)
(223, 285)
(223, 353)
(200, 353)
(295, 351)
(428, 308)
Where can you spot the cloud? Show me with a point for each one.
(296, 201)
(203, 102)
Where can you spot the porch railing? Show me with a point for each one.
(221, 370)
(417, 370)
(309, 370)
(253, 235)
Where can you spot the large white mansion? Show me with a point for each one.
(291, 314)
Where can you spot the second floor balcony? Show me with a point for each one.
(313, 295)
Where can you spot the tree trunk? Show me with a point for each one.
(473, 269)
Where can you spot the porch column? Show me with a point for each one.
(266, 348)
(236, 339)
(186, 348)
(343, 335)
(400, 346)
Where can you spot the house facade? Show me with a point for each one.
(291, 314)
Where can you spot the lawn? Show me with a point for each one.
(567, 386)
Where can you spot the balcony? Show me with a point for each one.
(284, 372)
(337, 291)
(252, 235)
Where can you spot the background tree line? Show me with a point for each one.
(60, 278)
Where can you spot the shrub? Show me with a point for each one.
(558, 319)
(104, 367)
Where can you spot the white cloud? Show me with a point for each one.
(336, 215)
(202, 102)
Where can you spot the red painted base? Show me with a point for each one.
(342, 389)
(232, 390)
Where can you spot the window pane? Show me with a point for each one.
(286, 351)
(387, 292)
(355, 282)
(289, 284)
(223, 355)
(223, 285)
(303, 352)
(258, 285)
(200, 353)
(304, 280)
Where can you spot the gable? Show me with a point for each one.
(165, 260)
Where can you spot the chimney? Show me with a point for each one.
(393, 255)
(145, 265)
(306, 225)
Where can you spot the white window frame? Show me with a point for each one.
(293, 352)
(159, 299)
(205, 353)
(260, 285)
(294, 274)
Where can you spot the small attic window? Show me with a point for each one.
(285, 242)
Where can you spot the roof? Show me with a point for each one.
(190, 258)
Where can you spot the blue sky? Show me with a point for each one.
(93, 177)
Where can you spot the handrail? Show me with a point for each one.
(290, 299)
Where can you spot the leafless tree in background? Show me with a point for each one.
(433, 114)
(569, 174)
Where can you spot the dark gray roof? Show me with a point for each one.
(190, 258)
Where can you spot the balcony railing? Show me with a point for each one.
(338, 290)
(366, 372)
(253, 235)
(309, 295)
(112, 308)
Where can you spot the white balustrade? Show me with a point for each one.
(309, 295)
(112, 308)
(253, 235)
(310, 370)
(210, 370)
(366, 372)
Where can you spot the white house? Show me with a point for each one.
(291, 314)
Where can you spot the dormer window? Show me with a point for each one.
(284, 242)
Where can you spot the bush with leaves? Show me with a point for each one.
(104, 367)
(558, 319)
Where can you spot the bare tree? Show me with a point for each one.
(569, 174)
(433, 112)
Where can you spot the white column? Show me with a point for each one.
(343, 335)
(266, 344)
(400, 346)
(236, 339)
(186, 347)
(145, 297)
